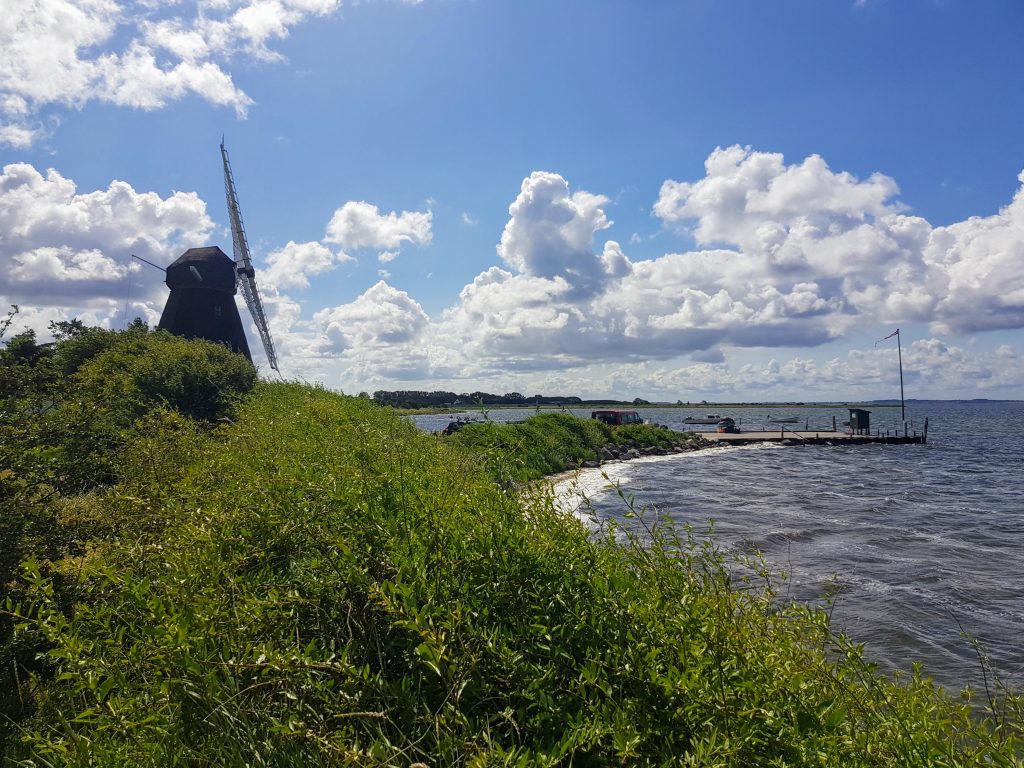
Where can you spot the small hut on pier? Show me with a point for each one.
(860, 421)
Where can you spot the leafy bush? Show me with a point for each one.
(199, 379)
(75, 417)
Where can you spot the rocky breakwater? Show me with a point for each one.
(632, 449)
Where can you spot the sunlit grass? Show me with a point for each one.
(319, 583)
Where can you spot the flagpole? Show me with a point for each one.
(899, 350)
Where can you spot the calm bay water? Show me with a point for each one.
(923, 540)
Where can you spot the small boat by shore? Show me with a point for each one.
(727, 426)
(713, 419)
(458, 423)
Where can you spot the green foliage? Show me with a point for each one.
(649, 434)
(199, 379)
(76, 417)
(76, 345)
(331, 587)
(68, 409)
(541, 445)
(553, 442)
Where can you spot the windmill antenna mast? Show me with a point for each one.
(156, 266)
(246, 275)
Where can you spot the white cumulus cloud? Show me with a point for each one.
(292, 265)
(983, 262)
(60, 247)
(550, 233)
(806, 223)
(794, 256)
(379, 320)
(362, 225)
(134, 53)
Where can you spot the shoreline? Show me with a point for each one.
(568, 494)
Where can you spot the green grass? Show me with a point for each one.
(320, 584)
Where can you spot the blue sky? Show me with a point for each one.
(688, 200)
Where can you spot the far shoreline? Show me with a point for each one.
(477, 408)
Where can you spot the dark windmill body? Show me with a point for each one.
(204, 281)
(203, 284)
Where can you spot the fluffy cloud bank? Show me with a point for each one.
(982, 261)
(849, 238)
(353, 227)
(135, 53)
(550, 234)
(789, 256)
(67, 250)
(933, 368)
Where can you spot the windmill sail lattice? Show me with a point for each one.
(246, 275)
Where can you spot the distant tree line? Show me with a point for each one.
(411, 398)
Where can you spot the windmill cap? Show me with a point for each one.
(215, 268)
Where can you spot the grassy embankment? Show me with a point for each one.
(549, 443)
(318, 583)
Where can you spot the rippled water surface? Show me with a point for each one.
(923, 539)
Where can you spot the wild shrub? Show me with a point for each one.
(77, 416)
(199, 379)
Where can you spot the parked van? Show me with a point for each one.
(617, 418)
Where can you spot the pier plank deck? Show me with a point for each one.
(814, 437)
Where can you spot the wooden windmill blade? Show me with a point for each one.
(246, 275)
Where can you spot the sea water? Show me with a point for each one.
(924, 543)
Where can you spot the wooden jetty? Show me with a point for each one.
(813, 437)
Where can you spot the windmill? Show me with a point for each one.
(202, 300)
(245, 274)
(204, 281)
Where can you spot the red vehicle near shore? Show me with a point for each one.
(617, 418)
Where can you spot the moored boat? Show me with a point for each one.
(727, 425)
(712, 419)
